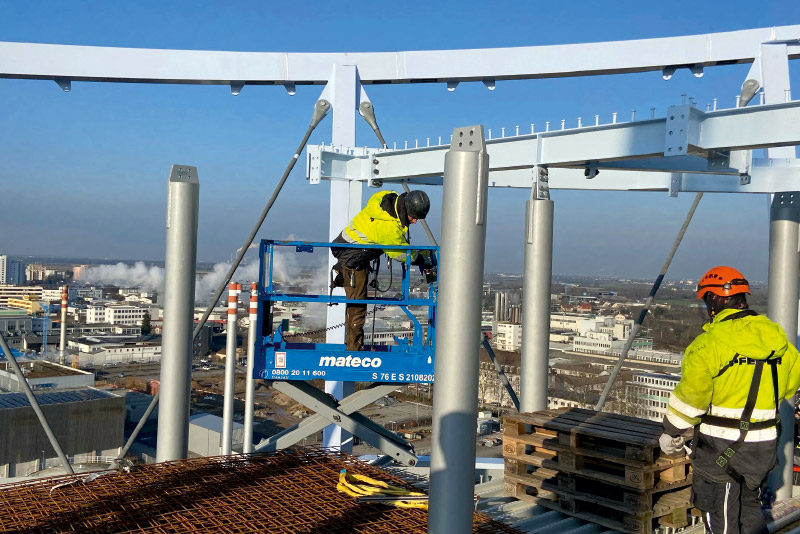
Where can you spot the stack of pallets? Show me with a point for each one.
(601, 467)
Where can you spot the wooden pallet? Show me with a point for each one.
(602, 467)
(608, 447)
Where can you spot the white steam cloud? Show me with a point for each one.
(288, 271)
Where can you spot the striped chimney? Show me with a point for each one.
(249, 384)
(230, 369)
(63, 341)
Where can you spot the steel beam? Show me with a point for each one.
(345, 203)
(463, 239)
(107, 64)
(179, 278)
(620, 151)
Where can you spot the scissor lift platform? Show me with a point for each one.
(289, 365)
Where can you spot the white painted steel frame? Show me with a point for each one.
(636, 147)
(107, 64)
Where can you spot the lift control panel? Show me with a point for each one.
(281, 354)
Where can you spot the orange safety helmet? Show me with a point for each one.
(723, 281)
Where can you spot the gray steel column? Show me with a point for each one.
(463, 239)
(783, 257)
(183, 196)
(536, 277)
(63, 341)
(784, 270)
(230, 370)
(249, 388)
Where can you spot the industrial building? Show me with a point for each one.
(112, 349)
(44, 375)
(87, 422)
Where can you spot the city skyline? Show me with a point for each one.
(95, 161)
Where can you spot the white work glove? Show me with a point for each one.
(670, 445)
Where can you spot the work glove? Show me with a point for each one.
(669, 445)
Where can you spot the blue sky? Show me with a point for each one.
(85, 172)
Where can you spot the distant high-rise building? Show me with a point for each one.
(11, 272)
(35, 272)
(15, 273)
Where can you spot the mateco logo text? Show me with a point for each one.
(349, 361)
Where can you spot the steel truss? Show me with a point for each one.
(688, 150)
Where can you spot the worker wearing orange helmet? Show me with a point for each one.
(733, 378)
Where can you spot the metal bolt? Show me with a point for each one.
(614, 118)
(633, 115)
(517, 129)
(376, 171)
(547, 126)
(580, 122)
(563, 122)
(502, 132)
(714, 105)
(597, 120)
(533, 126)
(683, 98)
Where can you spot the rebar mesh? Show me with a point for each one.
(284, 492)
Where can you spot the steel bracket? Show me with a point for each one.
(719, 160)
(675, 182)
(681, 131)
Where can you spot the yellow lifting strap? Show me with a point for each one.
(366, 489)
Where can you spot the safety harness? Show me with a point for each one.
(744, 424)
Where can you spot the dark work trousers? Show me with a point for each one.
(355, 287)
(729, 507)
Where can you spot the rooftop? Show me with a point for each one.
(19, 400)
(42, 369)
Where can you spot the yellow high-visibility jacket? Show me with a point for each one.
(716, 376)
(375, 226)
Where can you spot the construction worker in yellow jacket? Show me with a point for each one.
(733, 378)
(383, 221)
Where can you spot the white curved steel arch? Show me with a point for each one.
(108, 64)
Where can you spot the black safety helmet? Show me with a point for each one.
(417, 204)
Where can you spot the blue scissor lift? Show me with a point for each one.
(289, 366)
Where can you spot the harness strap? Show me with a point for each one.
(739, 315)
(727, 422)
(723, 460)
